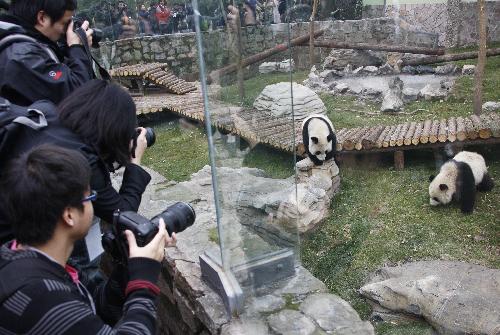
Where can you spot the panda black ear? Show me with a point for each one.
(431, 177)
(443, 187)
(329, 137)
(314, 140)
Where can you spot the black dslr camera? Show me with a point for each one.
(177, 217)
(150, 139)
(96, 34)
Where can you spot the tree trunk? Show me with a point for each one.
(478, 97)
(379, 47)
(449, 58)
(311, 32)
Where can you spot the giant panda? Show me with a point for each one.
(458, 180)
(318, 136)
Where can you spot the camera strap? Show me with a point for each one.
(102, 71)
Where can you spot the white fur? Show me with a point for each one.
(448, 176)
(318, 127)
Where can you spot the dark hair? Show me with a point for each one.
(28, 9)
(41, 183)
(104, 116)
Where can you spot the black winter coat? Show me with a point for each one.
(135, 178)
(31, 71)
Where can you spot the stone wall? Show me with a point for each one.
(455, 20)
(180, 51)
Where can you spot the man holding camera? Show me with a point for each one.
(32, 64)
(50, 207)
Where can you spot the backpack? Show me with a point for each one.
(14, 118)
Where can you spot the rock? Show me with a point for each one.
(392, 99)
(342, 88)
(454, 297)
(276, 99)
(446, 69)
(447, 84)
(348, 69)
(409, 94)
(335, 315)
(371, 94)
(357, 70)
(424, 69)
(491, 106)
(386, 69)
(408, 69)
(284, 66)
(370, 70)
(433, 92)
(268, 67)
(289, 322)
(330, 75)
(338, 59)
(287, 65)
(245, 327)
(468, 69)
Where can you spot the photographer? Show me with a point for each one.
(99, 120)
(32, 65)
(247, 17)
(50, 207)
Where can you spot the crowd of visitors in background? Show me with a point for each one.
(118, 21)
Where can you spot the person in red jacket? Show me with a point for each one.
(163, 17)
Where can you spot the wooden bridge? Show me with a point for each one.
(260, 127)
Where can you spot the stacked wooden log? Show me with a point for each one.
(156, 73)
(413, 133)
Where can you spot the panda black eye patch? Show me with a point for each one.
(435, 199)
(318, 152)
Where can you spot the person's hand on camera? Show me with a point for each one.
(233, 17)
(171, 241)
(154, 249)
(141, 146)
(72, 38)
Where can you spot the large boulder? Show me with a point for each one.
(393, 97)
(338, 59)
(491, 106)
(276, 99)
(454, 297)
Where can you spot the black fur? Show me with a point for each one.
(305, 140)
(486, 183)
(431, 178)
(466, 187)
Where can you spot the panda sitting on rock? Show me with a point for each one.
(458, 180)
(319, 138)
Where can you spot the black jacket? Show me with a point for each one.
(37, 70)
(39, 296)
(135, 178)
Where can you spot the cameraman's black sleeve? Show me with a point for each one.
(33, 75)
(134, 182)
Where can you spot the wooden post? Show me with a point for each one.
(311, 32)
(399, 160)
(481, 60)
(239, 73)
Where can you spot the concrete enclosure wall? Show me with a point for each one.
(180, 52)
(454, 20)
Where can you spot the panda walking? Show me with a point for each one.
(458, 180)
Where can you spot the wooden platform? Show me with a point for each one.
(155, 73)
(258, 127)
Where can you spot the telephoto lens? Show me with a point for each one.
(150, 136)
(177, 217)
